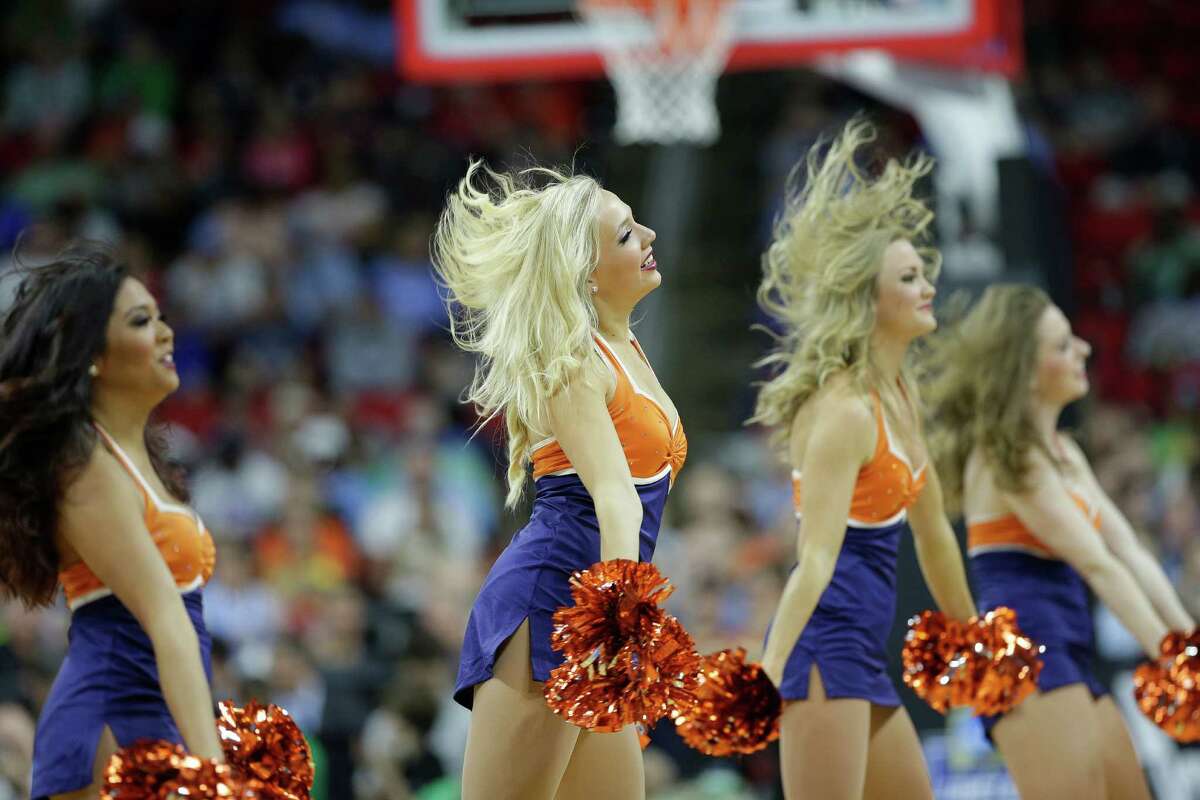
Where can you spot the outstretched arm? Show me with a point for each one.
(1047, 510)
(1121, 539)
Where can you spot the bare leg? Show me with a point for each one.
(104, 751)
(1122, 772)
(605, 765)
(895, 762)
(517, 749)
(1051, 745)
(823, 745)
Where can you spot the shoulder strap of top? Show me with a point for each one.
(882, 444)
(111, 445)
(610, 358)
(638, 346)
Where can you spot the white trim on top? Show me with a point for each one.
(89, 597)
(604, 357)
(983, 519)
(638, 389)
(983, 549)
(98, 594)
(177, 508)
(662, 473)
(851, 522)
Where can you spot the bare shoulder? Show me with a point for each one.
(100, 487)
(981, 496)
(593, 376)
(840, 402)
(837, 409)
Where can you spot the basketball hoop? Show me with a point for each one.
(663, 58)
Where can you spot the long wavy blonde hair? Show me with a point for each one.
(515, 255)
(820, 271)
(979, 372)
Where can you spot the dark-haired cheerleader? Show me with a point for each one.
(87, 503)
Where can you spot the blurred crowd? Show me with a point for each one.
(262, 168)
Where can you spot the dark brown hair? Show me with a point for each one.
(49, 338)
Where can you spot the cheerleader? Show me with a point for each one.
(88, 503)
(1040, 532)
(542, 280)
(851, 289)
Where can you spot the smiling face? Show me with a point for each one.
(626, 270)
(138, 355)
(1061, 374)
(903, 295)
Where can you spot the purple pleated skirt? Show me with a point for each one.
(109, 678)
(846, 637)
(531, 578)
(1053, 609)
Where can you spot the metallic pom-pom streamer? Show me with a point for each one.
(935, 660)
(736, 708)
(1009, 662)
(986, 663)
(1167, 690)
(159, 770)
(267, 748)
(627, 660)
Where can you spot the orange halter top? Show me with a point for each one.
(176, 529)
(886, 485)
(1006, 533)
(654, 447)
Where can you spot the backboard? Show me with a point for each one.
(450, 41)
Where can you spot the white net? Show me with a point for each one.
(663, 58)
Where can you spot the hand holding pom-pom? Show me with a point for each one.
(1008, 662)
(1167, 691)
(986, 663)
(935, 660)
(154, 770)
(266, 746)
(736, 707)
(628, 661)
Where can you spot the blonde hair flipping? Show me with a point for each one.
(515, 258)
(980, 370)
(819, 273)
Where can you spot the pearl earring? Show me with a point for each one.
(94, 371)
(595, 289)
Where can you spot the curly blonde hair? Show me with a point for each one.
(820, 271)
(979, 370)
(515, 256)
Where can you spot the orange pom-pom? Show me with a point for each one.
(627, 660)
(736, 708)
(650, 673)
(1167, 691)
(616, 602)
(1007, 662)
(266, 746)
(987, 663)
(154, 770)
(935, 660)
